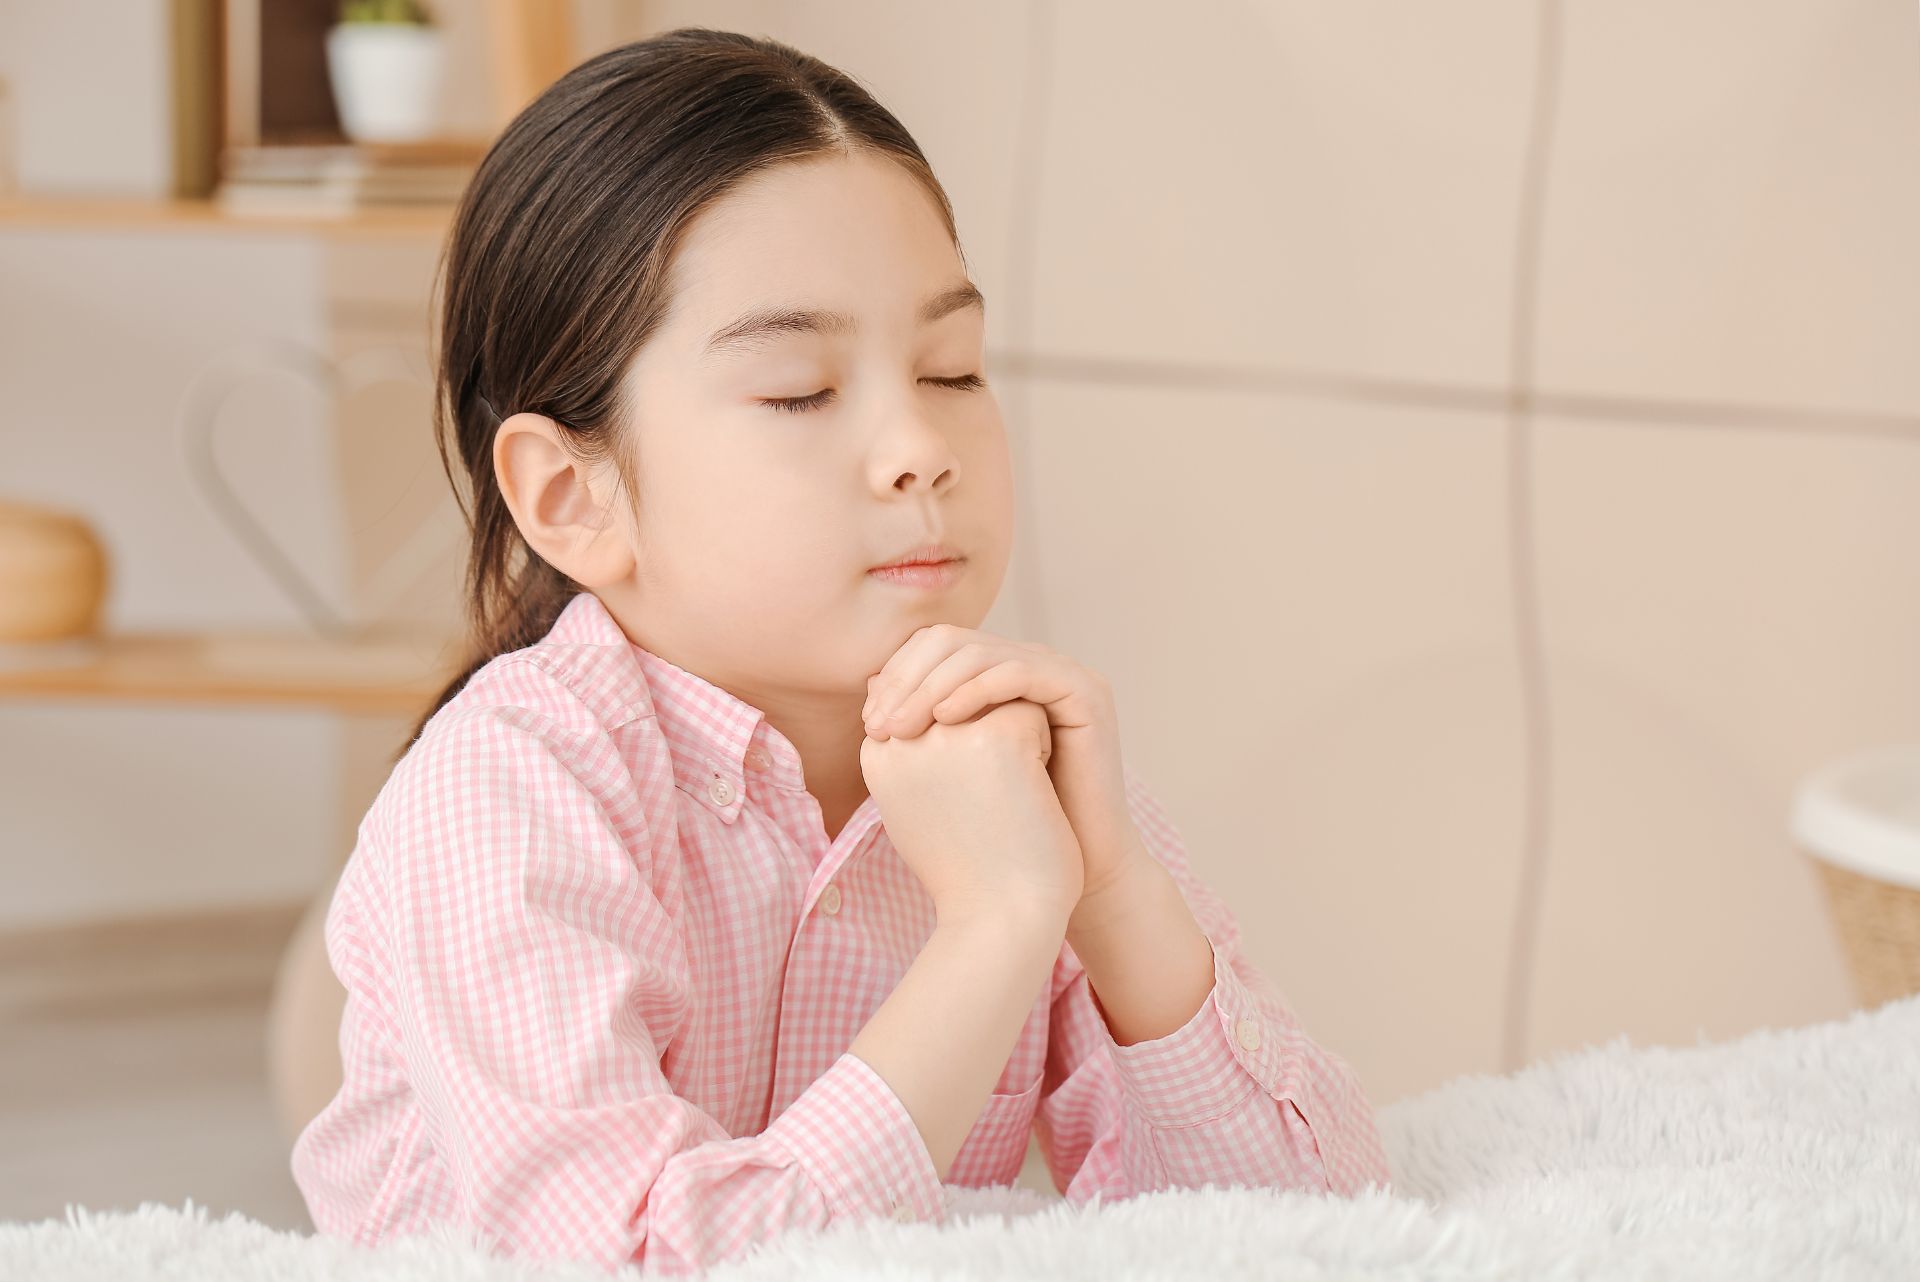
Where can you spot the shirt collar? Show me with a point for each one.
(716, 740)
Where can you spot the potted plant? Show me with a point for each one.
(384, 59)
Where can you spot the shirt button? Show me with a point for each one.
(757, 756)
(904, 1214)
(720, 790)
(1248, 1034)
(830, 899)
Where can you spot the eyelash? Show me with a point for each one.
(801, 404)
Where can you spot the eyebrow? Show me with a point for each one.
(756, 328)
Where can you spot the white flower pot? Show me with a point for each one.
(386, 79)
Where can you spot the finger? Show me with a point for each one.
(908, 666)
(915, 712)
(1059, 685)
(1001, 683)
(881, 683)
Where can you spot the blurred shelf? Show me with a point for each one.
(390, 675)
(69, 213)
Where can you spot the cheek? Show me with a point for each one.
(789, 550)
(714, 544)
(987, 452)
(989, 469)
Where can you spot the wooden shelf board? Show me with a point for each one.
(393, 675)
(168, 961)
(112, 213)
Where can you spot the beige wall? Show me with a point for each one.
(1481, 449)
(1267, 283)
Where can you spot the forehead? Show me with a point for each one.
(853, 234)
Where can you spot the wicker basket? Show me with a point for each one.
(1859, 820)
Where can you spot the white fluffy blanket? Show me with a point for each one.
(1785, 1154)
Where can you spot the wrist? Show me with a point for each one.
(1007, 919)
(1141, 877)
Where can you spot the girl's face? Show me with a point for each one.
(758, 523)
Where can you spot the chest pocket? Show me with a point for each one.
(996, 1147)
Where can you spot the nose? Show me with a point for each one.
(912, 480)
(917, 457)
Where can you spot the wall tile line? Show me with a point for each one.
(1466, 398)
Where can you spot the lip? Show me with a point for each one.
(926, 554)
(935, 575)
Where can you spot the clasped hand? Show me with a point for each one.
(946, 673)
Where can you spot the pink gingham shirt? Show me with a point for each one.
(603, 965)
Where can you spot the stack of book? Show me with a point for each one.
(341, 177)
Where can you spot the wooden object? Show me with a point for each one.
(532, 46)
(143, 964)
(53, 574)
(274, 80)
(376, 676)
(194, 35)
(422, 223)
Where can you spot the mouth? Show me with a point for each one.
(921, 574)
(925, 555)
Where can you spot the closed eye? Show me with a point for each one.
(801, 404)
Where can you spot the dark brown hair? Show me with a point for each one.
(555, 265)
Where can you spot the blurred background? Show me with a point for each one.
(1481, 443)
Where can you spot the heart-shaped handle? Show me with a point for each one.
(207, 393)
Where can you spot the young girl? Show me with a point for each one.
(742, 885)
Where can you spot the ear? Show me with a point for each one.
(572, 518)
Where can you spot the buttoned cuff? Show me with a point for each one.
(1208, 1067)
(855, 1138)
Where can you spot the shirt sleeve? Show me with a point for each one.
(1240, 1094)
(527, 979)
